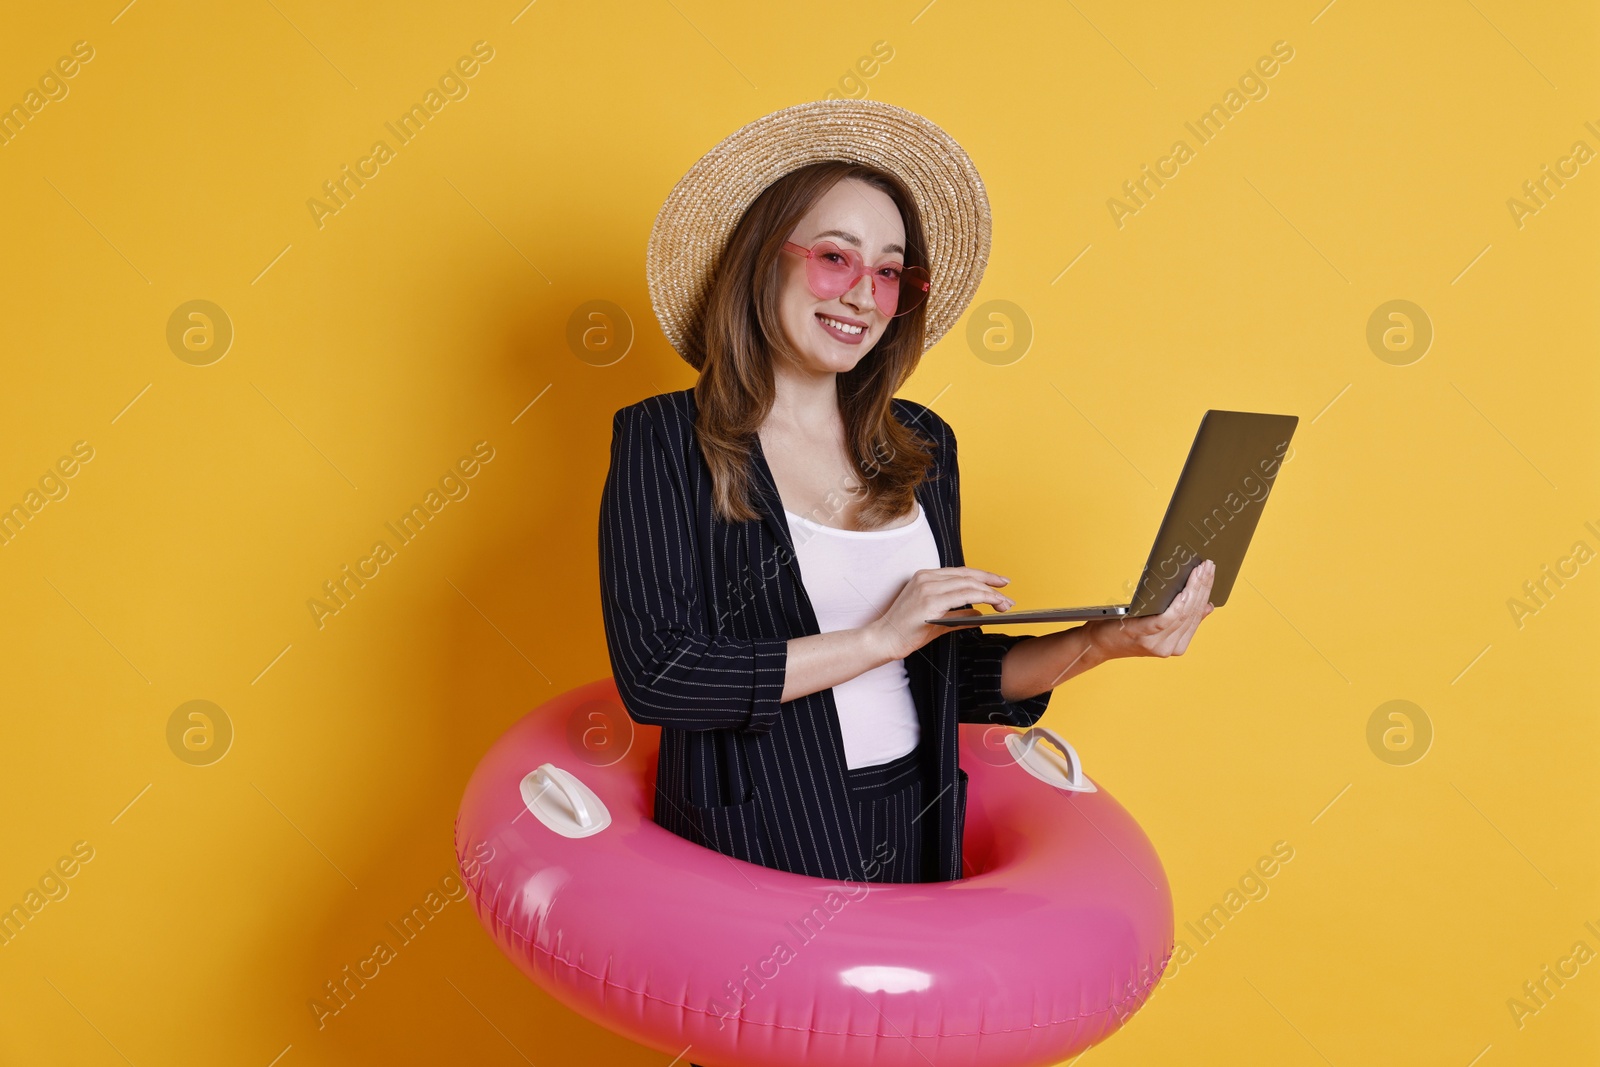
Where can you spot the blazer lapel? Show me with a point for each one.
(929, 496)
(764, 491)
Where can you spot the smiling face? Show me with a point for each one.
(834, 334)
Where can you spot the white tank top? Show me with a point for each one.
(852, 576)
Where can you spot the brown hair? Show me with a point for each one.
(741, 334)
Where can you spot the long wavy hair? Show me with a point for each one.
(742, 334)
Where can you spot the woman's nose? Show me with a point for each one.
(859, 296)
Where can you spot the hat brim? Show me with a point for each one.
(694, 225)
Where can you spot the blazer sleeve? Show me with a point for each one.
(978, 654)
(669, 670)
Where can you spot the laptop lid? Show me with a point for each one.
(1219, 498)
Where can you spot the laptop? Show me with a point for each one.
(1232, 464)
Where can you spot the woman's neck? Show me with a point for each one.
(803, 399)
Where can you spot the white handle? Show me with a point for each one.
(1022, 746)
(548, 775)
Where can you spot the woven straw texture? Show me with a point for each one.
(699, 215)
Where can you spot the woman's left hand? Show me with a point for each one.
(1167, 634)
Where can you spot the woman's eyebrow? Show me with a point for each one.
(853, 239)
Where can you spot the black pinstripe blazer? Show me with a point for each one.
(698, 613)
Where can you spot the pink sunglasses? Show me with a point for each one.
(832, 271)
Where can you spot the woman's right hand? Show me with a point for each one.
(934, 593)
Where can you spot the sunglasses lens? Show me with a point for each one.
(832, 271)
(913, 289)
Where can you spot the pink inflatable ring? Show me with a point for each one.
(1054, 938)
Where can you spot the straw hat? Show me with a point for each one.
(700, 214)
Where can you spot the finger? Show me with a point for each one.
(1177, 639)
(1191, 625)
(953, 578)
(963, 590)
(985, 595)
(1200, 576)
(1176, 624)
(988, 577)
(1186, 632)
(1197, 590)
(943, 608)
(1187, 636)
(1180, 604)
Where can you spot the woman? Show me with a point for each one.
(772, 539)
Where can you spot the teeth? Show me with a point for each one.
(841, 327)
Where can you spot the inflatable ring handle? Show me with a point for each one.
(1021, 745)
(548, 774)
(589, 812)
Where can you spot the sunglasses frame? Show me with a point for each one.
(917, 276)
